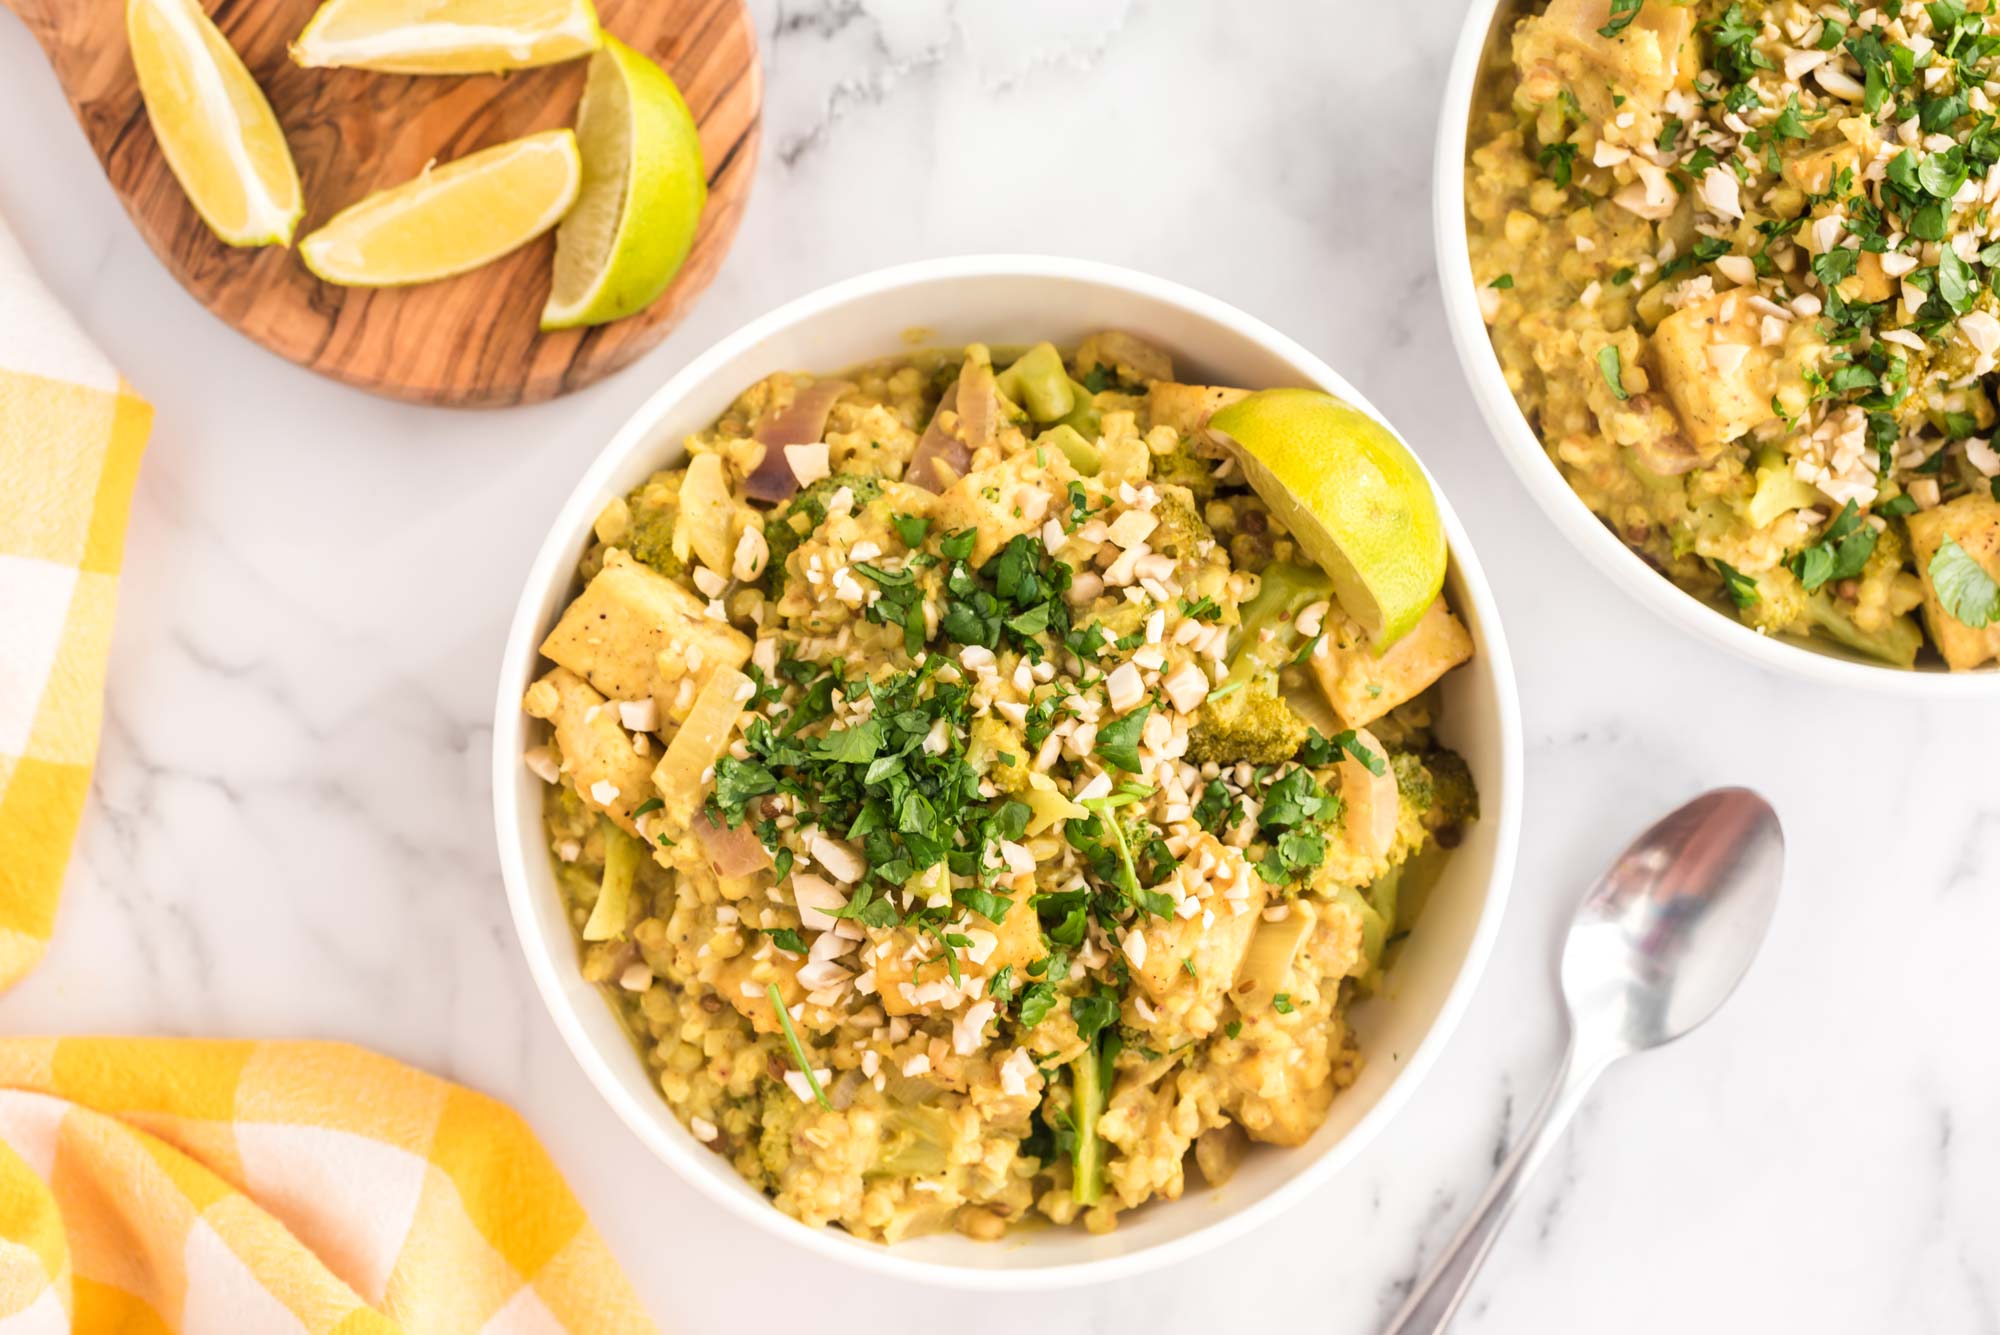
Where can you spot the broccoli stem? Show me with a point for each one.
(799, 1058)
(622, 855)
(1107, 808)
(1087, 1095)
(1282, 593)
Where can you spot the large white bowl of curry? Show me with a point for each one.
(1020, 299)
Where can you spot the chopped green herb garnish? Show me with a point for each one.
(1622, 14)
(1841, 554)
(1741, 588)
(1613, 371)
(1966, 590)
(798, 1049)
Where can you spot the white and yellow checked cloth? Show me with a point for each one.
(71, 433)
(190, 1187)
(157, 1185)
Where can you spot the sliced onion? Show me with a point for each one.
(846, 1089)
(801, 422)
(1672, 454)
(732, 852)
(908, 1090)
(938, 446)
(978, 405)
(1127, 354)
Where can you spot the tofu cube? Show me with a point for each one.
(1973, 522)
(1362, 686)
(615, 631)
(1814, 172)
(744, 981)
(1718, 398)
(1649, 57)
(1006, 500)
(595, 749)
(1187, 408)
(1018, 941)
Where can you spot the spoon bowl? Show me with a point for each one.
(1665, 935)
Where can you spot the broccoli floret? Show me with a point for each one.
(1247, 719)
(655, 506)
(916, 1142)
(1779, 604)
(1038, 383)
(1181, 532)
(1251, 723)
(774, 1134)
(1897, 642)
(1782, 606)
(1282, 593)
(1452, 798)
(789, 527)
(1182, 467)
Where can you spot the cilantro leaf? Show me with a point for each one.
(1118, 742)
(1217, 810)
(1841, 554)
(1970, 594)
(1622, 14)
(1957, 283)
(853, 745)
(1037, 1000)
(1348, 742)
(1559, 161)
(1093, 1011)
(786, 939)
(985, 903)
(1741, 588)
(1612, 369)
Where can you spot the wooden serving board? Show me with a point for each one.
(469, 340)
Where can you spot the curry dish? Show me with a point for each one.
(969, 798)
(1738, 261)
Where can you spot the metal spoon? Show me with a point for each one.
(1657, 945)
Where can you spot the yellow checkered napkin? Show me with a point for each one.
(71, 433)
(217, 1188)
(171, 1185)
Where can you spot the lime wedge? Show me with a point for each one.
(1352, 495)
(450, 218)
(643, 190)
(215, 128)
(446, 36)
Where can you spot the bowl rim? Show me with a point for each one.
(1529, 459)
(554, 563)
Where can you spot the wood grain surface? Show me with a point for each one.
(469, 340)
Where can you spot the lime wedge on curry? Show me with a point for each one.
(446, 36)
(215, 128)
(451, 218)
(643, 191)
(1353, 496)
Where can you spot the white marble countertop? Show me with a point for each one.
(290, 835)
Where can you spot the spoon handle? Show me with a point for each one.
(1437, 1296)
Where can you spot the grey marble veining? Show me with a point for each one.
(289, 832)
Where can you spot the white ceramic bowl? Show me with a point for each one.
(1817, 660)
(1018, 299)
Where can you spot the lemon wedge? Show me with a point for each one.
(452, 218)
(643, 191)
(215, 127)
(1351, 493)
(446, 36)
